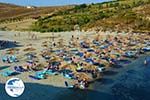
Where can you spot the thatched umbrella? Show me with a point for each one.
(55, 59)
(44, 45)
(29, 44)
(82, 76)
(89, 67)
(68, 66)
(31, 53)
(29, 49)
(12, 50)
(106, 63)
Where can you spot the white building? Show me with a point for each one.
(30, 7)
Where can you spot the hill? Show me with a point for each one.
(119, 15)
(12, 13)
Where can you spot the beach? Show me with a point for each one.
(126, 82)
(135, 83)
(24, 40)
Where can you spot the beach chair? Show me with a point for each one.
(5, 58)
(19, 69)
(38, 76)
(96, 43)
(103, 47)
(146, 49)
(129, 54)
(7, 73)
(67, 74)
(80, 54)
(90, 50)
(50, 72)
(84, 45)
(89, 60)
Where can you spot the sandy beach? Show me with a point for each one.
(108, 87)
(23, 41)
(125, 83)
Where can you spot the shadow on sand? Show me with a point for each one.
(4, 67)
(8, 44)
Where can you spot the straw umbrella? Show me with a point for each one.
(90, 67)
(68, 66)
(83, 76)
(29, 49)
(12, 50)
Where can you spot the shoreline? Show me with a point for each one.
(24, 41)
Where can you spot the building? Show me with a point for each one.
(30, 7)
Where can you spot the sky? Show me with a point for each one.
(50, 2)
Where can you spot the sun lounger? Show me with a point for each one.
(5, 58)
(84, 45)
(19, 69)
(67, 74)
(34, 77)
(103, 47)
(79, 54)
(50, 72)
(146, 49)
(38, 76)
(9, 73)
(89, 60)
(96, 43)
(90, 50)
(130, 54)
(9, 58)
(67, 59)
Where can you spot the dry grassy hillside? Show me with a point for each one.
(10, 12)
(118, 15)
(14, 17)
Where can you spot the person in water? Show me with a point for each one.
(147, 61)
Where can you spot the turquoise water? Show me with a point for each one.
(130, 82)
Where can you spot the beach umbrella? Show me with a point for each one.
(29, 44)
(12, 50)
(104, 62)
(68, 66)
(82, 76)
(31, 53)
(89, 67)
(55, 59)
(29, 49)
(113, 56)
(44, 45)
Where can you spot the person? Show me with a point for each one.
(54, 44)
(147, 61)
(72, 36)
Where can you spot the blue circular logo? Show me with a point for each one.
(14, 87)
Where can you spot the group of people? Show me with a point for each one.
(97, 52)
(86, 58)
